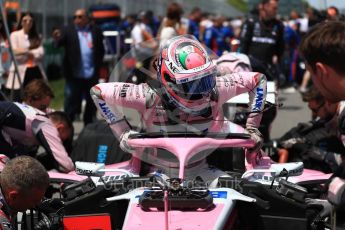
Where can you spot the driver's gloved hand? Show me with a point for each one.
(124, 141)
(257, 137)
(324, 205)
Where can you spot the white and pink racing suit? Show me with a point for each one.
(24, 128)
(110, 98)
(233, 63)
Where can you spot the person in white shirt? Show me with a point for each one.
(171, 26)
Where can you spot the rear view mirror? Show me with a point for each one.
(89, 168)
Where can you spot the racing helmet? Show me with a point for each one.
(186, 74)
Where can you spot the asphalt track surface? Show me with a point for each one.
(293, 111)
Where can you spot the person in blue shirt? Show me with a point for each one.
(128, 24)
(193, 22)
(217, 37)
(292, 39)
(154, 23)
(84, 51)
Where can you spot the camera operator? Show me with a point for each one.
(315, 142)
(323, 49)
(23, 183)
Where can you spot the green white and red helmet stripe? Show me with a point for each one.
(186, 73)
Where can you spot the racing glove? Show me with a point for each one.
(257, 137)
(124, 141)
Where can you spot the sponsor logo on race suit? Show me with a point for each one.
(107, 112)
(259, 99)
(123, 92)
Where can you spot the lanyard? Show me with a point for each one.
(88, 41)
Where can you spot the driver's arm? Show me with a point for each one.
(231, 85)
(110, 98)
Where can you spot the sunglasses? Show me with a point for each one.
(78, 16)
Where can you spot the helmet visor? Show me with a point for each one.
(199, 86)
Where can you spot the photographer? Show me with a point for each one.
(315, 142)
(323, 49)
(23, 183)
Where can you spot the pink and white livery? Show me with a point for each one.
(189, 96)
